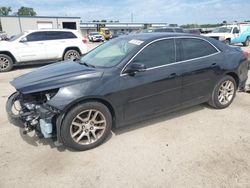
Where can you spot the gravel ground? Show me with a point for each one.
(195, 147)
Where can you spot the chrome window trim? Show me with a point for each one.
(177, 62)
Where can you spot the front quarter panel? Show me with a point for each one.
(70, 94)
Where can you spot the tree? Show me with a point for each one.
(4, 11)
(26, 11)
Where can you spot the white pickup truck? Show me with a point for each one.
(41, 46)
(232, 34)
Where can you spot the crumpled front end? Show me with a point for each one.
(30, 112)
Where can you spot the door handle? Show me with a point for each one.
(40, 43)
(213, 64)
(172, 75)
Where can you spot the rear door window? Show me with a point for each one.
(57, 35)
(194, 48)
(157, 54)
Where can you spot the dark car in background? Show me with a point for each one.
(164, 29)
(123, 81)
(193, 31)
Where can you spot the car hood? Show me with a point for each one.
(55, 76)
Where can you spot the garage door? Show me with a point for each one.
(45, 25)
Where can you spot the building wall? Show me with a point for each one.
(15, 25)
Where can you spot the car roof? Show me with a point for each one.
(35, 30)
(158, 35)
(148, 37)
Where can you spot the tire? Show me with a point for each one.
(247, 42)
(220, 92)
(6, 63)
(80, 125)
(227, 41)
(71, 54)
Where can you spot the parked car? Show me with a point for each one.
(164, 29)
(232, 34)
(106, 33)
(124, 81)
(95, 37)
(119, 34)
(193, 31)
(41, 46)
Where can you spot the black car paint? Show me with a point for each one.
(133, 98)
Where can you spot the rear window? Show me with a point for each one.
(164, 30)
(194, 48)
(178, 30)
(57, 35)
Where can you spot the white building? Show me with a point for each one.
(13, 25)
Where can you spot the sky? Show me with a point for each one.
(166, 11)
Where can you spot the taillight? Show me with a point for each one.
(246, 54)
(84, 40)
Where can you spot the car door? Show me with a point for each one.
(32, 47)
(56, 44)
(156, 89)
(199, 59)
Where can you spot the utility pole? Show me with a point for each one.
(132, 17)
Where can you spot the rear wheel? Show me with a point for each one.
(247, 42)
(227, 41)
(71, 54)
(223, 93)
(6, 63)
(86, 126)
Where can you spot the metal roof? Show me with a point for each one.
(63, 17)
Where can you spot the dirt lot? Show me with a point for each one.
(195, 147)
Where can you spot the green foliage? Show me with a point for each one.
(4, 11)
(26, 11)
(190, 26)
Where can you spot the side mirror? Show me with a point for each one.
(134, 68)
(24, 39)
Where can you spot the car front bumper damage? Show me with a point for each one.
(30, 115)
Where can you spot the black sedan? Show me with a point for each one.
(123, 81)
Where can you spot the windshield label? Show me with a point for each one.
(136, 42)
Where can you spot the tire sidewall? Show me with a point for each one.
(215, 99)
(67, 52)
(10, 63)
(65, 127)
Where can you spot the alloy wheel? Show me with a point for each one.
(87, 127)
(72, 55)
(4, 63)
(226, 92)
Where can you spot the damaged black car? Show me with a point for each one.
(124, 81)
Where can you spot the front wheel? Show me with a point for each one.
(6, 63)
(86, 126)
(223, 93)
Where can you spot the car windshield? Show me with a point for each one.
(222, 30)
(110, 53)
(13, 38)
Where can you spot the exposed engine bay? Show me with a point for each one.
(31, 112)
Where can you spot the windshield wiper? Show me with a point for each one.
(87, 65)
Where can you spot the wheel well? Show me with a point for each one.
(228, 39)
(71, 48)
(104, 102)
(235, 76)
(10, 55)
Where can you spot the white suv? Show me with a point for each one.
(41, 46)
